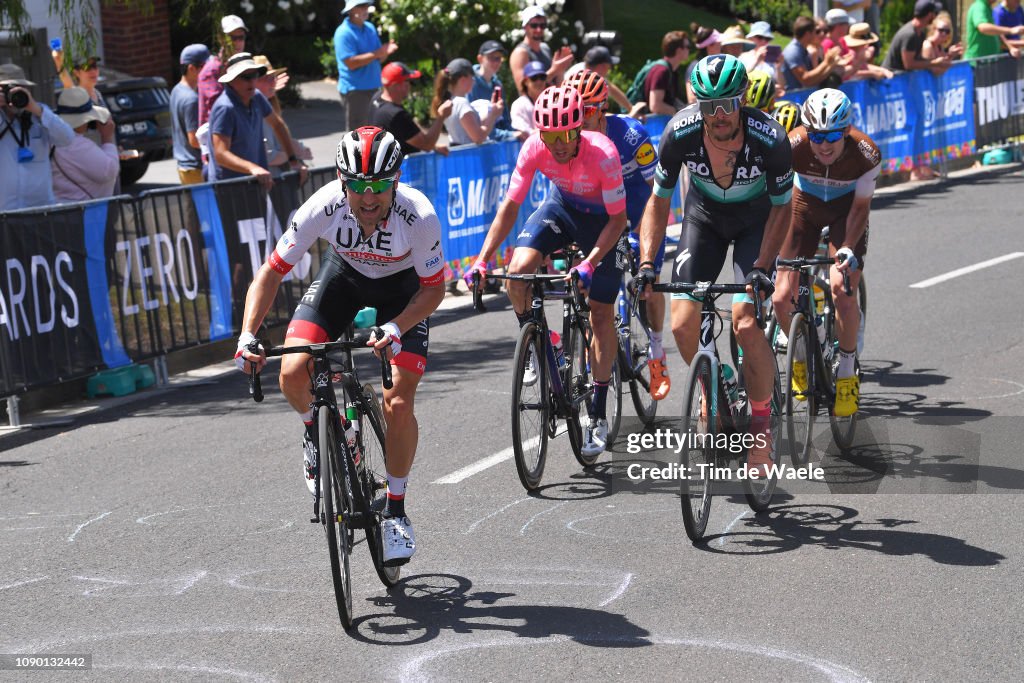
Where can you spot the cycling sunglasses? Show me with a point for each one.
(728, 105)
(552, 136)
(594, 109)
(374, 186)
(819, 137)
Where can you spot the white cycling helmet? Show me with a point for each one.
(368, 153)
(827, 109)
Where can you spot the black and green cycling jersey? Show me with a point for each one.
(763, 166)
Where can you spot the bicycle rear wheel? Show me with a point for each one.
(759, 492)
(614, 405)
(530, 406)
(337, 513)
(843, 428)
(373, 476)
(578, 390)
(637, 352)
(800, 411)
(698, 454)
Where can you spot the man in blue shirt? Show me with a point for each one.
(485, 82)
(185, 114)
(796, 60)
(360, 54)
(236, 126)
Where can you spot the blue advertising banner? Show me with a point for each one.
(946, 103)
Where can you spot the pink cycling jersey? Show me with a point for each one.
(409, 237)
(591, 182)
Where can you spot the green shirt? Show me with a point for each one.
(978, 44)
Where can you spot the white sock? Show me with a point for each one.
(657, 350)
(306, 417)
(846, 359)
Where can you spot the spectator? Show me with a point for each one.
(486, 83)
(601, 60)
(534, 49)
(84, 170)
(234, 35)
(854, 9)
(905, 48)
(814, 49)
(236, 130)
(85, 73)
(24, 153)
(467, 123)
(759, 58)
(796, 67)
(1010, 14)
(268, 84)
(837, 21)
(873, 15)
(984, 37)
(661, 87)
(940, 39)
(734, 43)
(185, 114)
(534, 81)
(708, 42)
(861, 42)
(360, 55)
(387, 112)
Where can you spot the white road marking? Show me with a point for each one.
(71, 538)
(618, 593)
(481, 465)
(496, 512)
(522, 532)
(966, 269)
(23, 583)
(721, 539)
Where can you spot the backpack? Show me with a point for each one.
(635, 93)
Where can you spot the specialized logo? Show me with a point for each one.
(682, 258)
(645, 155)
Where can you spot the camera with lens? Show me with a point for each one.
(18, 100)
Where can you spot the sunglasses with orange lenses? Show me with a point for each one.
(595, 109)
(552, 136)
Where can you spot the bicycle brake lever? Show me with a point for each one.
(385, 364)
(574, 284)
(255, 384)
(478, 295)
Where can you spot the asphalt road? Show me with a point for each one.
(168, 537)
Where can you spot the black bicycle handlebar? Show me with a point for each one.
(705, 288)
(320, 349)
(801, 263)
(574, 284)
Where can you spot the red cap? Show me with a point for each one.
(396, 72)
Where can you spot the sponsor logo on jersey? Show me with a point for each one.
(632, 136)
(686, 121)
(698, 168)
(747, 173)
(784, 178)
(645, 154)
(763, 126)
(433, 262)
(869, 151)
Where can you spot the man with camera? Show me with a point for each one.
(27, 131)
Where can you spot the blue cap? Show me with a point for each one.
(534, 68)
(197, 54)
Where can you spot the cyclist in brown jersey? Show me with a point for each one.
(835, 167)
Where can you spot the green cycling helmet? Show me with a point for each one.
(718, 76)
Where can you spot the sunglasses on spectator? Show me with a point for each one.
(594, 109)
(552, 136)
(543, 24)
(727, 104)
(250, 75)
(374, 186)
(820, 137)
(944, 29)
(539, 77)
(87, 66)
(495, 57)
(237, 37)
(821, 31)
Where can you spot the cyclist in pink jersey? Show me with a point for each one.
(587, 205)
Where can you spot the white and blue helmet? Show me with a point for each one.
(827, 109)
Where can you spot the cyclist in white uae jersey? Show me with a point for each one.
(384, 251)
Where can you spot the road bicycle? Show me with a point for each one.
(351, 483)
(709, 411)
(813, 330)
(634, 337)
(563, 386)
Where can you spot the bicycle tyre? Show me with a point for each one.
(530, 458)
(800, 414)
(614, 405)
(336, 511)
(759, 492)
(578, 391)
(699, 418)
(637, 352)
(862, 300)
(373, 477)
(844, 429)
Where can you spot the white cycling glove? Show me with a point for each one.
(846, 254)
(244, 340)
(391, 331)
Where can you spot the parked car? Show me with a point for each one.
(141, 110)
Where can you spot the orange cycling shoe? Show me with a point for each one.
(660, 382)
(762, 450)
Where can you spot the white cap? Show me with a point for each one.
(531, 13)
(834, 17)
(231, 23)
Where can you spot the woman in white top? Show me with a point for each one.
(535, 78)
(468, 123)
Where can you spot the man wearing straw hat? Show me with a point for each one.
(25, 155)
(84, 170)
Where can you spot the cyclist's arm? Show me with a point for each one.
(501, 226)
(613, 229)
(775, 230)
(260, 297)
(779, 181)
(518, 191)
(653, 224)
(424, 302)
(857, 221)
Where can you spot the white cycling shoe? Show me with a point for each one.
(398, 540)
(595, 437)
(530, 372)
(309, 464)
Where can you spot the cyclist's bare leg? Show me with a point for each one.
(758, 368)
(847, 309)
(786, 283)
(403, 429)
(656, 311)
(602, 320)
(686, 327)
(294, 380)
(524, 261)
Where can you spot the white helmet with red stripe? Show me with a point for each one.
(369, 153)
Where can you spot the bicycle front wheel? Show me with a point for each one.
(800, 407)
(372, 471)
(759, 492)
(637, 352)
(579, 388)
(337, 513)
(530, 406)
(698, 454)
(614, 405)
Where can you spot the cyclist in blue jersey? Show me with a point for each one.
(639, 159)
